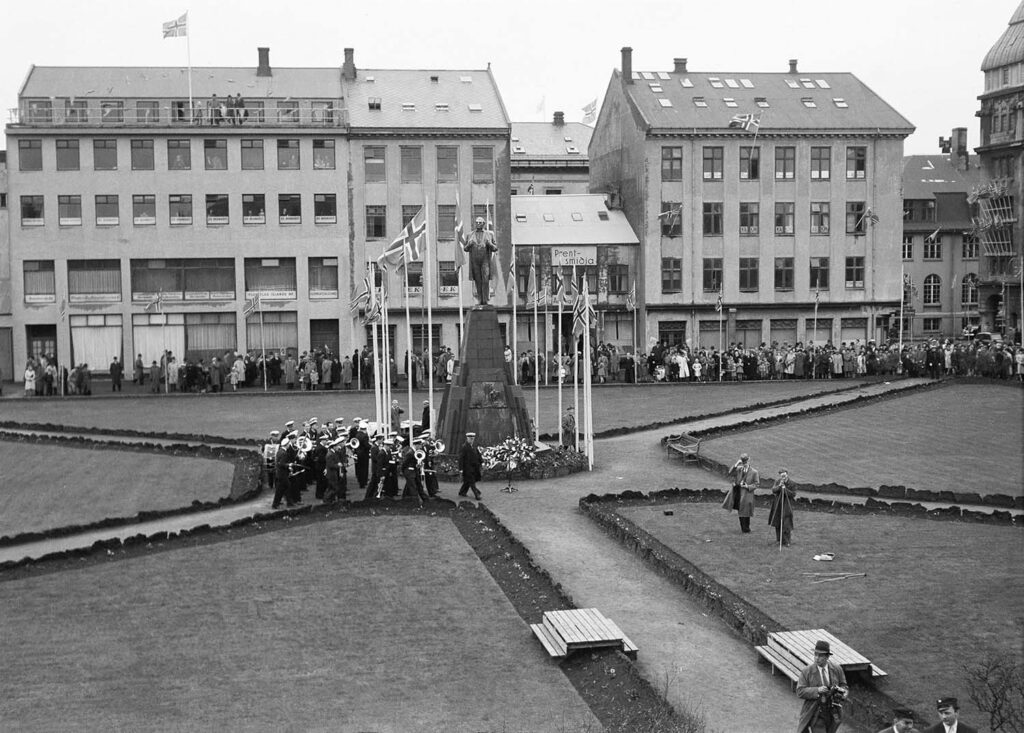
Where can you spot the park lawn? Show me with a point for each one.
(938, 594)
(386, 623)
(253, 414)
(48, 486)
(962, 437)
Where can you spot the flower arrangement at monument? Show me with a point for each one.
(510, 454)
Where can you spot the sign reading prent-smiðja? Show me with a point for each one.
(583, 255)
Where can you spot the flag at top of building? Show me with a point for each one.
(409, 244)
(748, 122)
(590, 112)
(175, 28)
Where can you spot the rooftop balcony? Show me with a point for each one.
(109, 114)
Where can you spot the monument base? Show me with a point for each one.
(482, 397)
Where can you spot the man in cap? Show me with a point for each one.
(288, 427)
(362, 461)
(822, 687)
(780, 515)
(569, 428)
(471, 463)
(269, 452)
(480, 246)
(285, 486)
(375, 459)
(902, 721)
(949, 718)
(335, 468)
(741, 498)
(425, 417)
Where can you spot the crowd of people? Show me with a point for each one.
(44, 377)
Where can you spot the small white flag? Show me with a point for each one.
(590, 112)
(175, 28)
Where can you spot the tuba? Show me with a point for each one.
(304, 445)
(439, 446)
(353, 444)
(420, 455)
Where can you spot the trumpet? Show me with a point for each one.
(353, 444)
(420, 455)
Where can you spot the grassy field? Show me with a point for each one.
(958, 438)
(47, 486)
(937, 595)
(331, 626)
(253, 414)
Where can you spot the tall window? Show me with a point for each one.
(107, 211)
(40, 284)
(483, 164)
(714, 164)
(618, 277)
(288, 112)
(785, 218)
(854, 278)
(785, 163)
(855, 220)
(289, 207)
(142, 155)
(969, 290)
(323, 277)
(216, 153)
(671, 274)
(288, 155)
(671, 219)
(908, 247)
(783, 273)
(487, 212)
(932, 289)
(373, 162)
(412, 164)
(143, 210)
(409, 211)
(447, 163)
(254, 208)
(749, 274)
(179, 155)
(67, 155)
(216, 209)
(325, 208)
(932, 249)
(820, 163)
(820, 215)
(69, 211)
(179, 207)
(969, 247)
(750, 216)
(147, 113)
(323, 155)
(671, 163)
(76, 112)
(818, 273)
(252, 154)
(376, 222)
(414, 276)
(30, 155)
(32, 211)
(104, 155)
(111, 111)
(750, 163)
(856, 163)
(445, 221)
(712, 274)
(713, 218)
(94, 280)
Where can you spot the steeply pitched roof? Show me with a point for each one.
(1009, 49)
(671, 100)
(926, 175)
(569, 220)
(161, 82)
(548, 140)
(425, 98)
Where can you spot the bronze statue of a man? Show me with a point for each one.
(480, 247)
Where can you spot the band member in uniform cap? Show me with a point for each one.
(949, 718)
(270, 449)
(376, 459)
(283, 486)
(288, 427)
(335, 465)
(822, 687)
(425, 418)
(410, 471)
(362, 454)
(902, 721)
(429, 472)
(389, 468)
(471, 464)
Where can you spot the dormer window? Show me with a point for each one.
(374, 103)
(408, 106)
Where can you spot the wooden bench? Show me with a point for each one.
(563, 632)
(791, 651)
(685, 444)
(783, 662)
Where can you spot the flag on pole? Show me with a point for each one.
(253, 305)
(532, 296)
(64, 308)
(511, 279)
(817, 296)
(176, 28)
(748, 122)
(156, 303)
(590, 112)
(363, 297)
(718, 304)
(461, 240)
(574, 289)
(631, 297)
(408, 245)
(933, 236)
(582, 310)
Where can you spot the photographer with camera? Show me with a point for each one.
(822, 687)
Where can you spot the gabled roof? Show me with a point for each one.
(1009, 49)
(162, 82)
(550, 141)
(572, 220)
(411, 99)
(926, 175)
(669, 101)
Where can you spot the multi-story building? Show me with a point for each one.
(999, 197)
(7, 361)
(819, 221)
(550, 158)
(940, 250)
(140, 214)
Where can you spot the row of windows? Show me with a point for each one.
(932, 247)
(147, 112)
(932, 290)
(820, 221)
(749, 274)
(107, 209)
(713, 163)
(618, 278)
(251, 155)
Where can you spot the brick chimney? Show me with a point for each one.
(627, 64)
(348, 69)
(958, 148)
(559, 119)
(680, 65)
(263, 67)
(792, 66)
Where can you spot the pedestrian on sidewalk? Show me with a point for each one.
(741, 498)
(822, 687)
(780, 515)
(471, 463)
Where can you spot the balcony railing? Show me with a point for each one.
(174, 114)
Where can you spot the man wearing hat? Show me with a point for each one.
(335, 470)
(780, 515)
(376, 461)
(362, 452)
(902, 721)
(270, 449)
(471, 463)
(741, 498)
(481, 246)
(949, 718)
(822, 686)
(569, 428)
(425, 418)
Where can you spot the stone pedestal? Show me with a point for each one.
(482, 398)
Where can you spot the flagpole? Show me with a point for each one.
(558, 364)
(816, 293)
(515, 319)
(575, 368)
(263, 346)
(428, 290)
(408, 351)
(588, 397)
(373, 365)
(188, 55)
(721, 310)
(536, 355)
(903, 298)
(385, 365)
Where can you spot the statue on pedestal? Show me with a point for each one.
(480, 247)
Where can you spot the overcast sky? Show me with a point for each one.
(923, 57)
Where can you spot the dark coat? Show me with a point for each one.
(471, 462)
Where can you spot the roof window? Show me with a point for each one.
(808, 102)
(647, 75)
(549, 217)
(656, 88)
(466, 79)
(572, 150)
(371, 79)
(840, 102)
(664, 102)
(374, 103)
(602, 215)
(730, 102)
(434, 78)
(521, 218)
(567, 139)
(518, 149)
(761, 101)
(577, 216)
(732, 84)
(686, 83)
(476, 108)
(441, 107)
(808, 84)
(699, 102)
(747, 84)
(823, 84)
(663, 75)
(408, 106)
(792, 83)
(715, 82)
